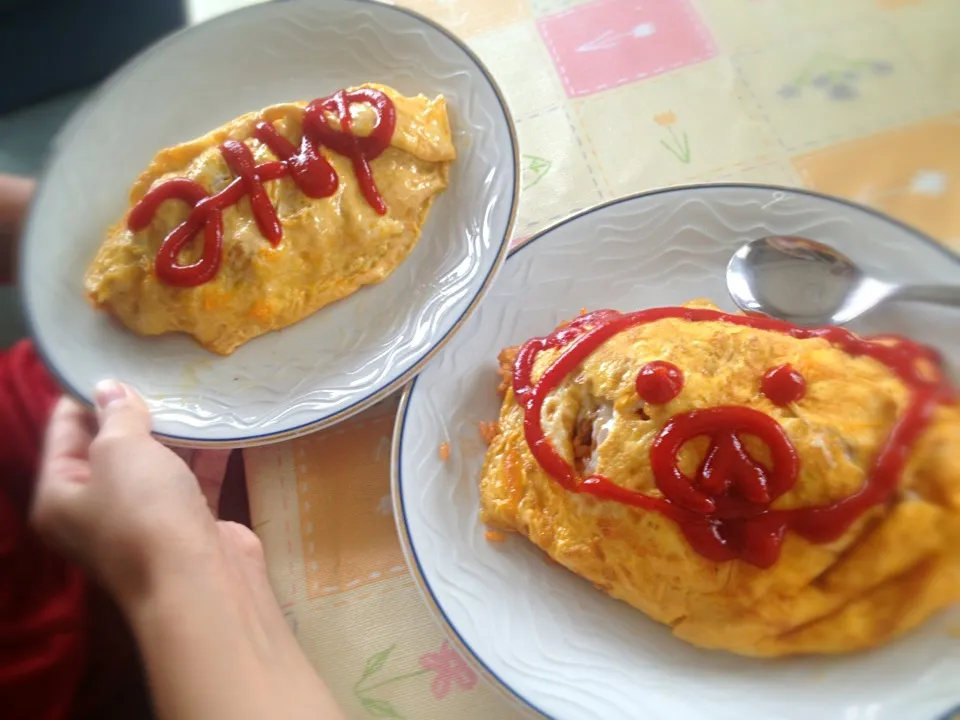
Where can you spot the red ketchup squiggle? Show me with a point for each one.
(305, 165)
(724, 512)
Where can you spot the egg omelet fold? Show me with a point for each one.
(330, 246)
(893, 568)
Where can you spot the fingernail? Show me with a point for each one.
(108, 392)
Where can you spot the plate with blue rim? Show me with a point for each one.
(550, 641)
(348, 355)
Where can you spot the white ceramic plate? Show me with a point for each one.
(546, 636)
(349, 354)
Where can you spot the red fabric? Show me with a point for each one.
(53, 623)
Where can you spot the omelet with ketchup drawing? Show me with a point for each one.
(274, 215)
(758, 487)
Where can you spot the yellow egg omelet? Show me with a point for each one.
(893, 567)
(330, 247)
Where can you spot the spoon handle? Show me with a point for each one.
(948, 295)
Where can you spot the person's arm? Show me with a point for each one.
(195, 591)
(15, 194)
(216, 645)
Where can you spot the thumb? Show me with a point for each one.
(120, 411)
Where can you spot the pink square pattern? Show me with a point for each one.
(608, 43)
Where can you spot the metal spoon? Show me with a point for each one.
(809, 283)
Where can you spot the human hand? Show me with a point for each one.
(195, 590)
(119, 502)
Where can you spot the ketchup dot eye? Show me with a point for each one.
(659, 382)
(783, 385)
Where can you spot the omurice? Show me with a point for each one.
(758, 487)
(274, 215)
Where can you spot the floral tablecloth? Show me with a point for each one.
(857, 98)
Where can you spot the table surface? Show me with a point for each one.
(856, 98)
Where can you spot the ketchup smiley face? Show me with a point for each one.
(724, 509)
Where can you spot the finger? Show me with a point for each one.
(120, 411)
(60, 502)
(64, 470)
(210, 467)
(185, 454)
(70, 431)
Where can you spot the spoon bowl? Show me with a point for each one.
(808, 283)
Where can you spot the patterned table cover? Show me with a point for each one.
(857, 98)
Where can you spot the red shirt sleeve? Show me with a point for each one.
(27, 397)
(42, 598)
